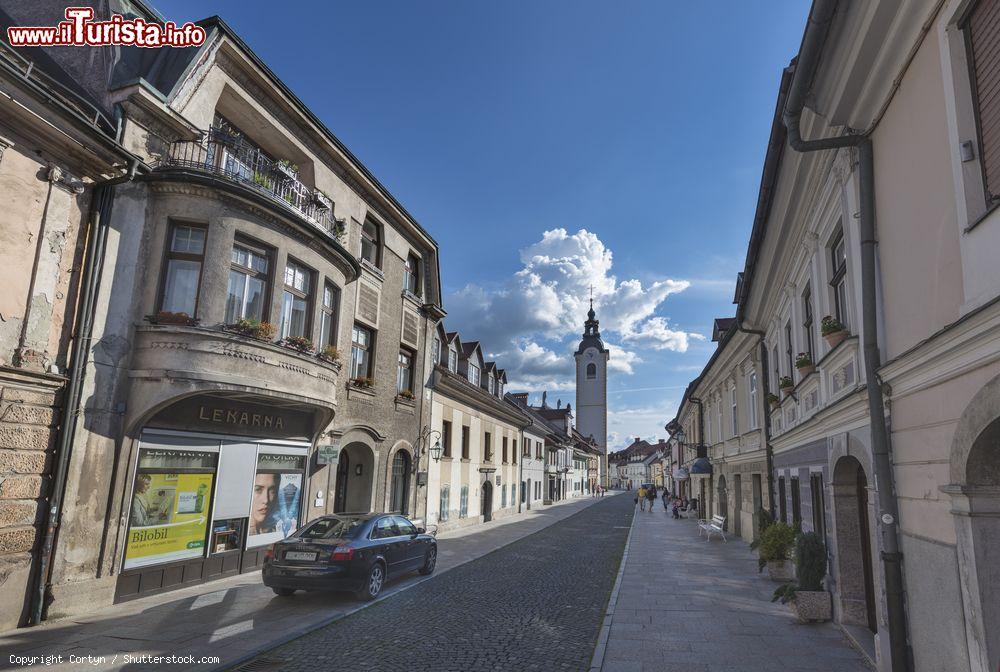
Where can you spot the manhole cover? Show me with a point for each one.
(261, 665)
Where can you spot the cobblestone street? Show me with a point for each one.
(536, 604)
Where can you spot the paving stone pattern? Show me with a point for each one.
(536, 604)
(697, 606)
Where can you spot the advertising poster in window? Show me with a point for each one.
(276, 498)
(169, 518)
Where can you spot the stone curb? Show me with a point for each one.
(597, 662)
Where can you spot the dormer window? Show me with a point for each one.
(474, 374)
(370, 243)
(492, 384)
(436, 351)
(453, 359)
(500, 391)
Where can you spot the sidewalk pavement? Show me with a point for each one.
(684, 603)
(238, 617)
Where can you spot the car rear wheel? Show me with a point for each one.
(283, 592)
(373, 586)
(430, 561)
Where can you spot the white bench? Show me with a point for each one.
(714, 526)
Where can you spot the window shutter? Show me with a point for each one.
(984, 36)
(368, 299)
(411, 329)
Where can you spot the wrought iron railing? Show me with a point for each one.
(234, 158)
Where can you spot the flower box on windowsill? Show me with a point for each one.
(322, 200)
(288, 169)
(297, 343)
(363, 384)
(258, 331)
(166, 317)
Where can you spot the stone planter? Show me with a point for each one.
(787, 391)
(775, 404)
(806, 370)
(836, 338)
(781, 571)
(812, 606)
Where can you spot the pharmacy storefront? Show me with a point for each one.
(215, 482)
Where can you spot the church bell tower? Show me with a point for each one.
(592, 388)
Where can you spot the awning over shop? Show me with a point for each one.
(680, 474)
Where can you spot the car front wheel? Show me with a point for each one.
(373, 586)
(283, 592)
(430, 561)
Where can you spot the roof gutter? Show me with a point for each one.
(820, 18)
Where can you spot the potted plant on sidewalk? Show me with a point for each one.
(804, 363)
(774, 551)
(833, 331)
(810, 602)
(786, 385)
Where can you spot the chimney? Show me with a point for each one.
(637, 439)
(520, 398)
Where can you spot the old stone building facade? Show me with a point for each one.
(877, 211)
(54, 147)
(259, 296)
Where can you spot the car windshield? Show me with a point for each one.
(332, 528)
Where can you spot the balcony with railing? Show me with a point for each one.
(234, 158)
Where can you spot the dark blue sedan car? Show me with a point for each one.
(347, 551)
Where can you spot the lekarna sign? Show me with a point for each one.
(328, 454)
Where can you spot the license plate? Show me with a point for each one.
(299, 555)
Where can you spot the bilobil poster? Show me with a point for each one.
(169, 518)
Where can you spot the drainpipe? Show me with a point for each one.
(812, 44)
(100, 215)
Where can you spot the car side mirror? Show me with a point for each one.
(421, 530)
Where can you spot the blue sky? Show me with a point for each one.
(552, 144)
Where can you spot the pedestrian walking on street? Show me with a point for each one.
(675, 508)
(666, 502)
(651, 495)
(641, 498)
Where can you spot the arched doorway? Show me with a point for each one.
(343, 471)
(399, 484)
(723, 501)
(355, 474)
(487, 500)
(856, 580)
(975, 496)
(738, 505)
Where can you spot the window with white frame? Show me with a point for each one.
(790, 358)
(474, 374)
(296, 299)
(752, 394)
(463, 502)
(411, 275)
(732, 403)
(718, 417)
(436, 351)
(838, 277)
(708, 431)
(452, 359)
(248, 280)
(807, 323)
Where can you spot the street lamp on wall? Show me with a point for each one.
(435, 451)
